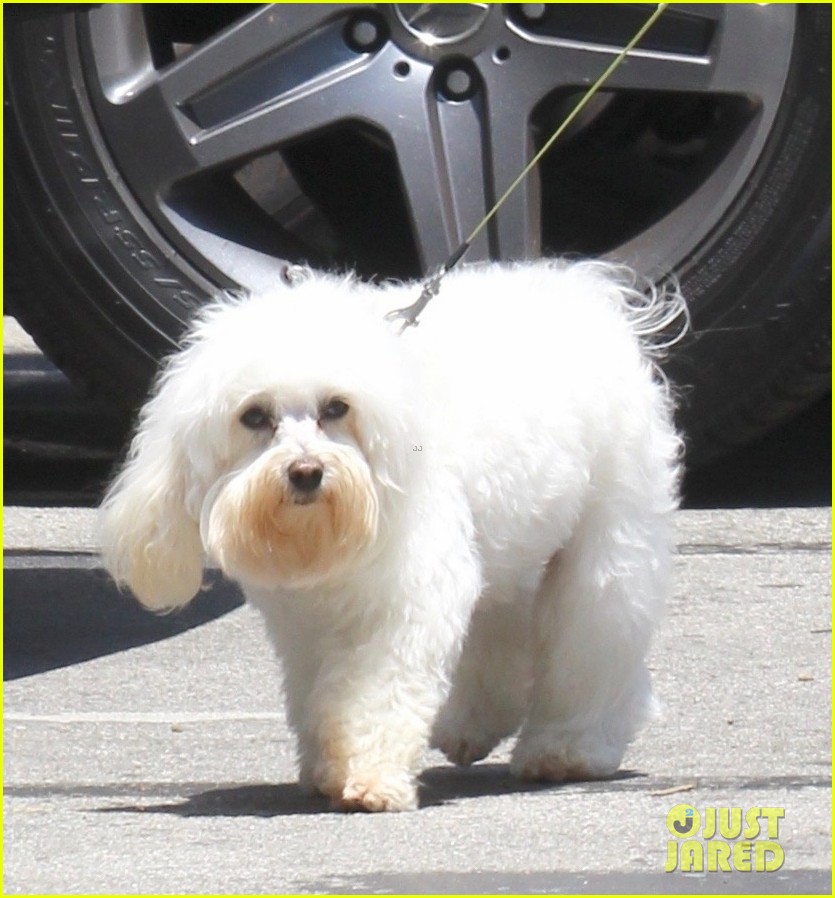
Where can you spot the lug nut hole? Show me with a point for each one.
(365, 33)
(457, 80)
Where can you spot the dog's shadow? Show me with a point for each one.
(438, 786)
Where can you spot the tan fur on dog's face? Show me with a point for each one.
(260, 531)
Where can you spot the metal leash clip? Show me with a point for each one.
(431, 287)
(410, 313)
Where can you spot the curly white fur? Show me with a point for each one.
(475, 540)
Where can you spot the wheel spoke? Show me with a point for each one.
(278, 29)
(732, 62)
(516, 227)
(324, 99)
(441, 158)
(219, 102)
(454, 166)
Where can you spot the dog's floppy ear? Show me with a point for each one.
(150, 543)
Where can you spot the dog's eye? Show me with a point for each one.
(256, 418)
(333, 410)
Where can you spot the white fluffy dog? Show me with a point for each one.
(452, 534)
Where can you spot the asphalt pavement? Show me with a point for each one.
(150, 754)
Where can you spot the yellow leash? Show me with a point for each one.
(409, 314)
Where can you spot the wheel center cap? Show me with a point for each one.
(434, 24)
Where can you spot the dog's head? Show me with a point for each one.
(277, 442)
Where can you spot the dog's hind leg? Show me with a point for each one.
(491, 682)
(593, 618)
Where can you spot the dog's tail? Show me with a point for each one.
(656, 311)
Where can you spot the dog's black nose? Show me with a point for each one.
(306, 474)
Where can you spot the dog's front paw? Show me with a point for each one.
(378, 790)
(555, 757)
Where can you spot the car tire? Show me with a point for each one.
(106, 294)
